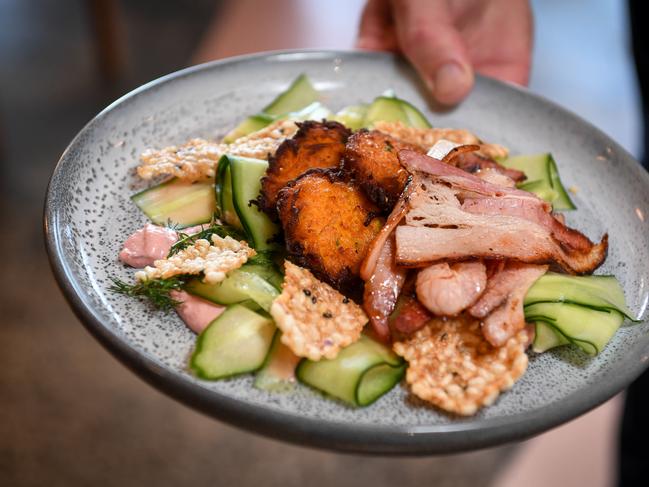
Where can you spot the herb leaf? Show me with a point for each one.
(185, 240)
(157, 291)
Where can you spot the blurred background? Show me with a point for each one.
(72, 415)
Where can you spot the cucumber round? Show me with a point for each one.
(180, 203)
(587, 328)
(238, 286)
(602, 293)
(359, 375)
(235, 343)
(223, 190)
(246, 174)
(388, 109)
(300, 94)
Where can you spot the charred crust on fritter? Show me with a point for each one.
(328, 236)
(371, 158)
(315, 144)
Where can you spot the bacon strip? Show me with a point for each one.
(416, 162)
(473, 163)
(456, 216)
(501, 305)
(382, 289)
(410, 315)
(376, 247)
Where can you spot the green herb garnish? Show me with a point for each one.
(157, 291)
(185, 240)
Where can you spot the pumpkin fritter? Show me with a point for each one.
(371, 157)
(315, 145)
(328, 226)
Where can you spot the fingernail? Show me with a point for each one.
(452, 83)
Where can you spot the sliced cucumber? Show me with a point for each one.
(234, 343)
(240, 285)
(278, 372)
(314, 111)
(265, 267)
(547, 337)
(542, 179)
(248, 126)
(587, 328)
(415, 117)
(353, 116)
(563, 201)
(223, 190)
(300, 94)
(359, 375)
(540, 188)
(535, 166)
(602, 293)
(246, 176)
(178, 202)
(388, 109)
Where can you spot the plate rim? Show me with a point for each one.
(319, 433)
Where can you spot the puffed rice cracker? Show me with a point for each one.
(426, 138)
(197, 159)
(214, 260)
(316, 320)
(452, 366)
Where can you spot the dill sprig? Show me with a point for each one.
(185, 240)
(157, 291)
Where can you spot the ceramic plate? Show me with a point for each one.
(88, 215)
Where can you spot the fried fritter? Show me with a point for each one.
(315, 145)
(372, 158)
(328, 225)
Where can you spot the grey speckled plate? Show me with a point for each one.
(88, 215)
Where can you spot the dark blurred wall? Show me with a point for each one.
(54, 78)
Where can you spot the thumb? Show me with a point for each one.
(428, 38)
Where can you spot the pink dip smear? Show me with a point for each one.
(197, 313)
(147, 245)
(151, 243)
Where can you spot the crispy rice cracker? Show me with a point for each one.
(197, 158)
(214, 260)
(426, 138)
(452, 366)
(316, 320)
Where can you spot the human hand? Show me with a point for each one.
(447, 40)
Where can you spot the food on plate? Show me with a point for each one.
(500, 306)
(196, 159)
(328, 225)
(452, 366)
(425, 138)
(448, 289)
(455, 215)
(345, 250)
(316, 320)
(211, 259)
(372, 159)
(315, 145)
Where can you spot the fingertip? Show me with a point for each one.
(451, 83)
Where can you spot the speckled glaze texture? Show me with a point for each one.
(89, 214)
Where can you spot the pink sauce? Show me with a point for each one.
(153, 242)
(147, 245)
(197, 313)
